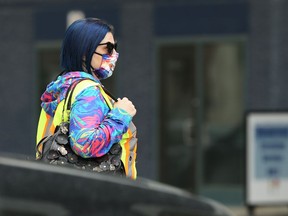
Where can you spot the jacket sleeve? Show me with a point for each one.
(94, 128)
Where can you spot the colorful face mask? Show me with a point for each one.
(107, 66)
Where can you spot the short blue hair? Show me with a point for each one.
(80, 42)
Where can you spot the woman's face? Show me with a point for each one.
(101, 49)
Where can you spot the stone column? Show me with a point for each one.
(268, 55)
(17, 82)
(136, 78)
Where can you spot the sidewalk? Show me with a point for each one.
(261, 211)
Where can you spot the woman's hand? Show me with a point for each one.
(126, 105)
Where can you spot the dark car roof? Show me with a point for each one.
(30, 187)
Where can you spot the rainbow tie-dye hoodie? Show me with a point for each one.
(94, 127)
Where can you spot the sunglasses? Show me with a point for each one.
(110, 47)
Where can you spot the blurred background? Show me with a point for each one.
(192, 68)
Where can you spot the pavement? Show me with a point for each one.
(261, 211)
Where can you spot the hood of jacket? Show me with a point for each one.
(56, 90)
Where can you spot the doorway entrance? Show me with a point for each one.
(201, 115)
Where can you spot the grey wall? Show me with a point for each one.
(17, 82)
(268, 54)
(137, 78)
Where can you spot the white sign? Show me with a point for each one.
(267, 158)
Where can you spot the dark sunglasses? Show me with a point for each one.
(110, 47)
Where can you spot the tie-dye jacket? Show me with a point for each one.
(94, 128)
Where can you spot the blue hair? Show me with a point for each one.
(80, 42)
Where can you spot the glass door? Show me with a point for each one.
(202, 133)
(178, 101)
(222, 126)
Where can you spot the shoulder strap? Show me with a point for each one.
(70, 91)
(68, 96)
(108, 93)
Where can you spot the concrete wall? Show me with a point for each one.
(268, 54)
(137, 78)
(17, 82)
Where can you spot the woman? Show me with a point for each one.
(96, 121)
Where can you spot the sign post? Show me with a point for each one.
(266, 159)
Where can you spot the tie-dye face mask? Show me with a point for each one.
(107, 65)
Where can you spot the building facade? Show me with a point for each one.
(191, 67)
